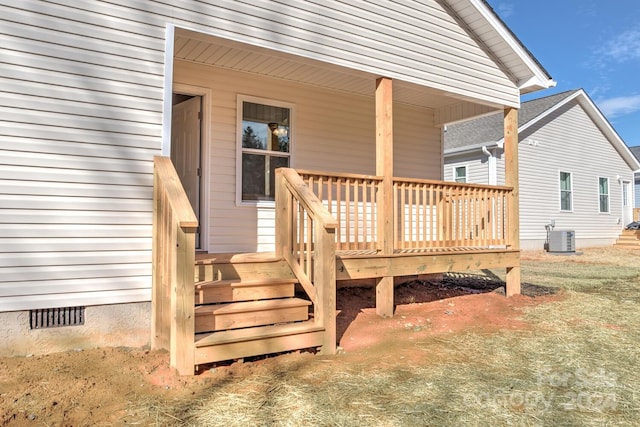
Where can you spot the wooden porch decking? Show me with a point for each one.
(212, 307)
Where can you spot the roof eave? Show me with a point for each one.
(538, 78)
(596, 115)
(536, 83)
(470, 148)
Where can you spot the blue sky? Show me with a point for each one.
(588, 44)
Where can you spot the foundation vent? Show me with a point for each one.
(56, 317)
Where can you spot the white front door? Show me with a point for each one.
(627, 208)
(185, 150)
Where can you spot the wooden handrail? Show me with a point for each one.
(636, 214)
(173, 291)
(305, 239)
(303, 193)
(427, 213)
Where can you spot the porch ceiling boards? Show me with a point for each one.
(224, 53)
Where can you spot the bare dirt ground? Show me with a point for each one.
(108, 386)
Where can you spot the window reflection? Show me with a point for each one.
(265, 147)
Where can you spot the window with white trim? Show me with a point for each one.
(460, 173)
(265, 145)
(603, 194)
(566, 192)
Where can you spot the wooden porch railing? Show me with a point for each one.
(306, 240)
(636, 214)
(439, 214)
(427, 214)
(174, 229)
(351, 199)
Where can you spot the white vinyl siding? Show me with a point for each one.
(417, 42)
(82, 87)
(333, 132)
(80, 121)
(477, 170)
(636, 191)
(569, 141)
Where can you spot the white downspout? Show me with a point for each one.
(491, 164)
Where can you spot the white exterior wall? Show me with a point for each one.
(636, 188)
(566, 140)
(417, 42)
(81, 118)
(331, 131)
(80, 121)
(476, 163)
(500, 166)
(569, 141)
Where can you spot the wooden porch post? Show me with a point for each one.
(384, 168)
(511, 180)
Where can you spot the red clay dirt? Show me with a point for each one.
(101, 386)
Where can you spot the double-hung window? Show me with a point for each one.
(265, 145)
(603, 193)
(460, 173)
(566, 193)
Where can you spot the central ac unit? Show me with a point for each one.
(562, 241)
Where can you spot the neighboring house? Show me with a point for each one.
(636, 152)
(230, 90)
(575, 170)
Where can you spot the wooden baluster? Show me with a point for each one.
(309, 246)
(355, 214)
(372, 215)
(339, 213)
(347, 202)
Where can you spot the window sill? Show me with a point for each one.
(257, 203)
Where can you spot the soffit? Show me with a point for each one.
(228, 54)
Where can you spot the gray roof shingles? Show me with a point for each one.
(489, 129)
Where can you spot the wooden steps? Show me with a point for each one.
(208, 292)
(629, 239)
(245, 305)
(238, 343)
(219, 317)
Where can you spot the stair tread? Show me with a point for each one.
(243, 283)
(255, 333)
(245, 306)
(236, 258)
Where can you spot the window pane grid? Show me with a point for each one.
(265, 147)
(603, 190)
(565, 191)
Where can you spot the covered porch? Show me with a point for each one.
(328, 226)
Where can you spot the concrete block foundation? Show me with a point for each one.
(117, 325)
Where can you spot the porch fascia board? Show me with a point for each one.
(368, 266)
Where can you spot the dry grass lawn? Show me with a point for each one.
(569, 359)
(576, 365)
